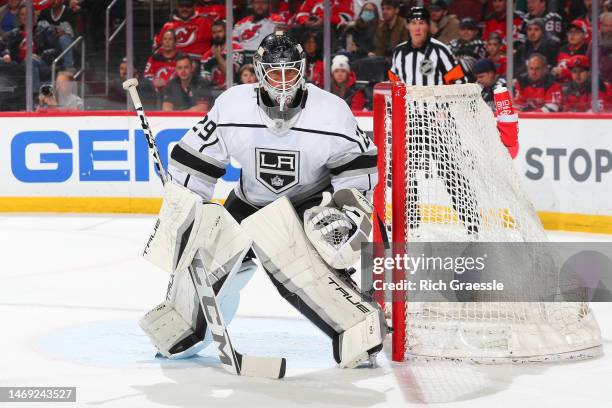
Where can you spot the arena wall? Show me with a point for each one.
(97, 162)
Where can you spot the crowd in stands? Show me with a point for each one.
(187, 67)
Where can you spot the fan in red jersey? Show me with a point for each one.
(211, 9)
(577, 44)
(496, 22)
(214, 60)
(160, 66)
(537, 91)
(287, 10)
(311, 13)
(494, 46)
(576, 94)
(193, 36)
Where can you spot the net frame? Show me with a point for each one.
(390, 201)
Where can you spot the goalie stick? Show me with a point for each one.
(234, 362)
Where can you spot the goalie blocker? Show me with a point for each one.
(327, 298)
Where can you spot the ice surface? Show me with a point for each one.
(72, 289)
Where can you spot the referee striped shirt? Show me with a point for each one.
(431, 64)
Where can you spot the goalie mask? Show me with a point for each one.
(279, 67)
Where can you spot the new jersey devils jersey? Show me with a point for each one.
(193, 36)
(323, 148)
(159, 66)
(249, 32)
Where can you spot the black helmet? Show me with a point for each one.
(278, 47)
(279, 66)
(418, 13)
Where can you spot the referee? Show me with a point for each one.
(423, 60)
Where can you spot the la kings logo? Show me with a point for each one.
(278, 170)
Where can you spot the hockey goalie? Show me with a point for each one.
(308, 172)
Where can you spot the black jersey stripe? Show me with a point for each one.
(360, 162)
(247, 125)
(323, 132)
(185, 158)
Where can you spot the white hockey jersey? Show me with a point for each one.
(249, 32)
(323, 147)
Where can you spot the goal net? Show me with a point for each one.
(445, 176)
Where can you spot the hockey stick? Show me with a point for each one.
(233, 361)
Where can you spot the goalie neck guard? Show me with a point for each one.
(279, 67)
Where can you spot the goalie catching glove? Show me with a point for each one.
(338, 227)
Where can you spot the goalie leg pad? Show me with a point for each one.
(329, 301)
(206, 227)
(172, 243)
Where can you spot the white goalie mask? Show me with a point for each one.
(279, 66)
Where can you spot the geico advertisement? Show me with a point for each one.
(98, 156)
(566, 164)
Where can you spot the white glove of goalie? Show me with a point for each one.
(337, 233)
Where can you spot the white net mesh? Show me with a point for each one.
(461, 186)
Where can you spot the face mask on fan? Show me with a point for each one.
(368, 16)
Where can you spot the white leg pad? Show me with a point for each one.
(325, 298)
(165, 327)
(355, 341)
(187, 224)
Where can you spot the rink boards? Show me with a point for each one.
(99, 162)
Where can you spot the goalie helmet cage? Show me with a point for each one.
(444, 175)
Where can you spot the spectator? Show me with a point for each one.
(576, 94)
(552, 22)
(8, 17)
(391, 31)
(287, 10)
(487, 77)
(536, 43)
(577, 44)
(185, 91)
(495, 54)
(45, 47)
(247, 74)
(496, 22)
(585, 12)
(343, 83)
(63, 96)
(313, 72)
(212, 10)
(117, 95)
(160, 66)
(444, 26)
(360, 33)
(249, 31)
(605, 47)
(468, 48)
(192, 31)
(5, 54)
(537, 91)
(214, 60)
(310, 14)
(62, 19)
